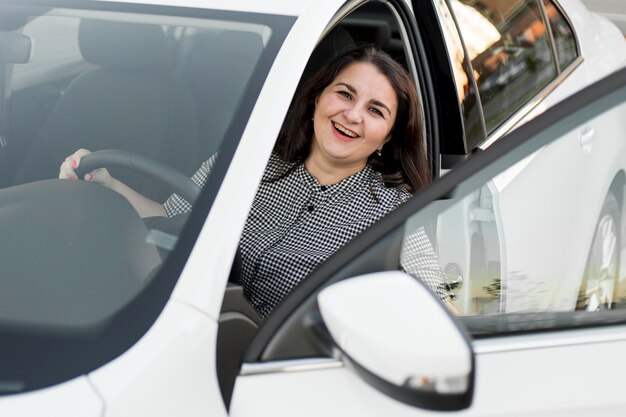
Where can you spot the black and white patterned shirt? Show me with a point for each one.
(295, 224)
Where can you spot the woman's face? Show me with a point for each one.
(353, 117)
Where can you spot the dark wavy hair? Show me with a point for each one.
(403, 162)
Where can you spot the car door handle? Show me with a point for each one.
(586, 138)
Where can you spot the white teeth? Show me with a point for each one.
(344, 130)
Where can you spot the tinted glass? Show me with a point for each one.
(165, 87)
(563, 35)
(519, 248)
(508, 45)
(465, 87)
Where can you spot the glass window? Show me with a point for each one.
(465, 88)
(563, 35)
(508, 45)
(518, 248)
(132, 98)
(164, 87)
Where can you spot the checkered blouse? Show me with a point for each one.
(295, 224)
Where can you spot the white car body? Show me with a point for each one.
(614, 10)
(171, 369)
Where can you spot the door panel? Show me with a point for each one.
(548, 375)
(556, 374)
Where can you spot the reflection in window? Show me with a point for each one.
(518, 248)
(563, 35)
(467, 241)
(508, 46)
(466, 91)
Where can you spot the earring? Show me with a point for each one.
(379, 152)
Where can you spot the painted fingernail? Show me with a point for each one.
(87, 177)
(73, 164)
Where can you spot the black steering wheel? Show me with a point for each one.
(179, 183)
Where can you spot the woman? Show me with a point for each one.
(350, 151)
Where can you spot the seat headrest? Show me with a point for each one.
(335, 42)
(124, 45)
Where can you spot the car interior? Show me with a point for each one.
(138, 72)
(373, 24)
(132, 65)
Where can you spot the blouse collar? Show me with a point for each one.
(360, 177)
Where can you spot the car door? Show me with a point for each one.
(360, 337)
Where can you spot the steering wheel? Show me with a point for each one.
(179, 183)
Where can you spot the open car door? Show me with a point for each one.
(363, 337)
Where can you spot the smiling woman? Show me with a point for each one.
(373, 88)
(352, 120)
(350, 153)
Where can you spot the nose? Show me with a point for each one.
(353, 114)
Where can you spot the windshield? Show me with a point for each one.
(171, 85)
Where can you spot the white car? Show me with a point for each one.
(614, 10)
(105, 314)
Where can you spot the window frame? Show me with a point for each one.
(418, 61)
(567, 20)
(448, 18)
(510, 122)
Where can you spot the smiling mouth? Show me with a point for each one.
(344, 131)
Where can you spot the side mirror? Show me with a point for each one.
(15, 48)
(401, 339)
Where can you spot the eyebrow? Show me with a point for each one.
(374, 101)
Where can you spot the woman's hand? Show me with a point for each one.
(144, 206)
(100, 176)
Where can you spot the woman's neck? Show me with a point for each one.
(326, 174)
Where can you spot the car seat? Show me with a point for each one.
(130, 101)
(219, 67)
(338, 40)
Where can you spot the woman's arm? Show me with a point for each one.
(419, 259)
(143, 205)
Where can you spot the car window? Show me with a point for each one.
(539, 244)
(563, 35)
(137, 97)
(508, 44)
(159, 90)
(465, 84)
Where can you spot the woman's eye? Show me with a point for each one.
(376, 111)
(345, 94)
